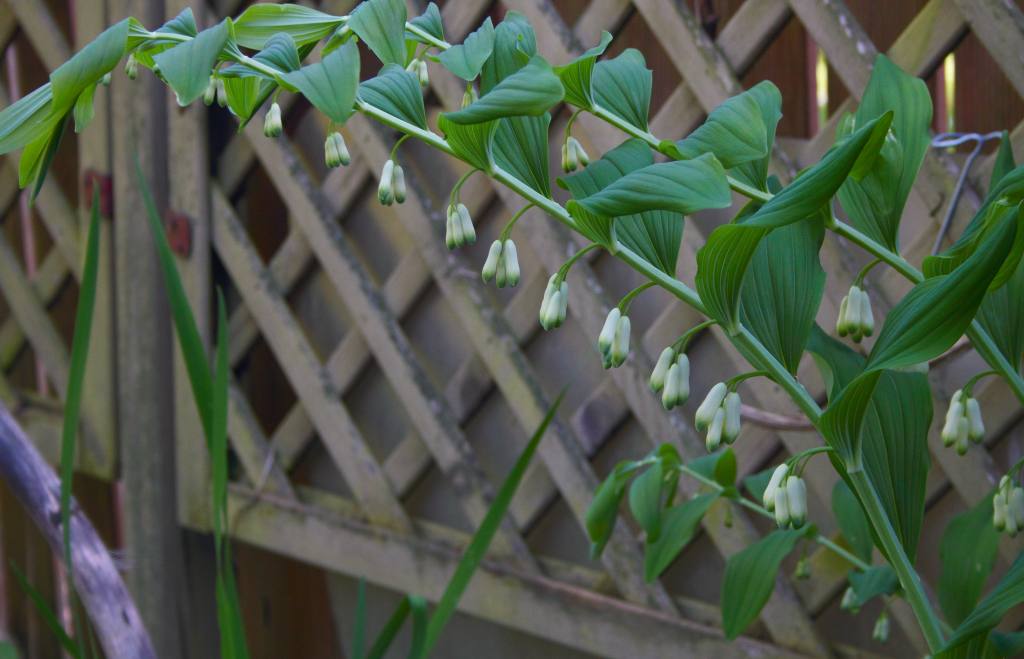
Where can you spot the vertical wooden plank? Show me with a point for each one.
(145, 412)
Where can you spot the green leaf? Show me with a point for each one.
(470, 142)
(739, 131)
(381, 24)
(838, 364)
(645, 498)
(26, 120)
(750, 578)
(331, 84)
(37, 156)
(1007, 644)
(430, 22)
(397, 92)
(84, 111)
(936, 312)
(757, 483)
(1004, 163)
(576, 75)
(408, 604)
(843, 421)
(874, 582)
(722, 265)
(530, 91)
(890, 89)
(187, 66)
(483, 536)
(852, 521)
(603, 510)
(782, 290)
(623, 87)
(968, 551)
(514, 45)
(719, 466)
(246, 95)
(684, 187)
(1008, 593)
(654, 235)
(279, 53)
(521, 148)
(678, 526)
(144, 49)
(1001, 314)
(305, 25)
(466, 60)
(87, 66)
(46, 613)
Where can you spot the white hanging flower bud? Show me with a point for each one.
(1015, 507)
(999, 511)
(975, 425)
(714, 436)
(961, 435)
(796, 493)
(572, 161)
(1013, 520)
(881, 631)
(565, 157)
(677, 383)
(386, 190)
(222, 94)
(131, 67)
(733, 418)
(768, 498)
(951, 428)
(423, 74)
(550, 306)
(607, 335)
(660, 372)
(210, 95)
(620, 346)
(490, 269)
(398, 179)
(867, 318)
(854, 309)
(579, 153)
(272, 126)
(450, 229)
(105, 80)
(470, 96)
(842, 326)
(849, 602)
(508, 265)
(335, 151)
(781, 507)
(554, 317)
(706, 411)
(466, 225)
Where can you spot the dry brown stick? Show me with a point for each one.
(104, 596)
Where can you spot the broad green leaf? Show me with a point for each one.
(1007, 644)
(719, 466)
(465, 60)
(874, 582)
(757, 483)
(750, 578)
(890, 89)
(739, 131)
(852, 521)
(1008, 593)
(37, 156)
(145, 49)
(603, 510)
(622, 86)
(843, 421)
(521, 148)
(530, 91)
(187, 66)
(484, 534)
(430, 22)
(654, 235)
(678, 526)
(1002, 315)
(936, 312)
(782, 290)
(246, 95)
(381, 24)
(87, 66)
(514, 44)
(1004, 163)
(968, 552)
(470, 142)
(259, 22)
(331, 84)
(279, 53)
(84, 111)
(576, 75)
(838, 364)
(26, 120)
(722, 265)
(684, 187)
(397, 92)
(645, 499)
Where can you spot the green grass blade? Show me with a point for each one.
(181, 313)
(417, 647)
(47, 614)
(390, 630)
(483, 536)
(359, 633)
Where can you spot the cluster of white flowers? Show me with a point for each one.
(786, 496)
(671, 376)
(502, 264)
(418, 68)
(459, 230)
(573, 155)
(272, 124)
(1008, 507)
(719, 415)
(392, 184)
(613, 342)
(335, 151)
(555, 305)
(855, 317)
(963, 422)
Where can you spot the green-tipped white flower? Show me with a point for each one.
(554, 307)
(768, 499)
(272, 125)
(781, 507)
(677, 383)
(466, 224)
(470, 96)
(951, 428)
(1015, 508)
(210, 95)
(706, 411)
(660, 372)
(423, 74)
(490, 269)
(881, 631)
(796, 494)
(620, 346)
(714, 437)
(459, 229)
(975, 425)
(386, 189)
(855, 317)
(105, 80)
(131, 67)
(450, 230)
(398, 179)
(508, 266)
(570, 161)
(607, 335)
(999, 511)
(335, 151)
(582, 159)
(867, 318)
(733, 418)
(222, 94)
(849, 602)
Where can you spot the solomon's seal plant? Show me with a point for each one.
(759, 280)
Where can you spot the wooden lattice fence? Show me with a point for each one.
(380, 390)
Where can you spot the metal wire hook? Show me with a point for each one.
(950, 140)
